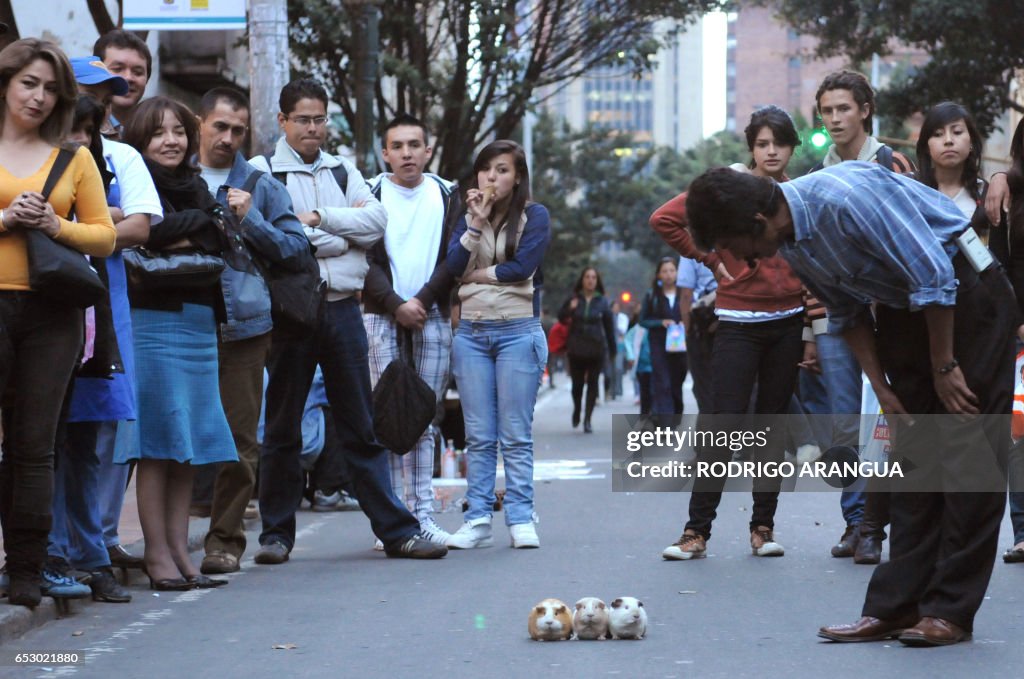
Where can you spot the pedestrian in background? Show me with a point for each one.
(591, 339)
(664, 311)
(499, 350)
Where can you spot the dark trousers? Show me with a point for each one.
(330, 472)
(241, 366)
(698, 362)
(744, 354)
(668, 372)
(39, 349)
(943, 544)
(585, 373)
(644, 382)
(340, 347)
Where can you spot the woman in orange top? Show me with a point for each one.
(40, 340)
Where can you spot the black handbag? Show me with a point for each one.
(404, 405)
(61, 274)
(171, 269)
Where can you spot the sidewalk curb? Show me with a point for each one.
(16, 621)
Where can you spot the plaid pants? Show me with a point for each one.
(411, 474)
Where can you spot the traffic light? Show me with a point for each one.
(626, 297)
(819, 139)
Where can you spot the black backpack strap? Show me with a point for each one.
(251, 180)
(279, 176)
(60, 164)
(884, 157)
(341, 176)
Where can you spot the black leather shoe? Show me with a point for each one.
(934, 632)
(587, 429)
(171, 585)
(1013, 555)
(121, 558)
(205, 582)
(575, 418)
(869, 550)
(847, 545)
(866, 629)
(105, 587)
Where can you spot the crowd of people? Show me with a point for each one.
(190, 361)
(783, 293)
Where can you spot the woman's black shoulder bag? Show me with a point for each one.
(59, 273)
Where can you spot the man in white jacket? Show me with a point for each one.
(343, 220)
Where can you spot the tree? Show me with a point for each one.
(974, 47)
(471, 68)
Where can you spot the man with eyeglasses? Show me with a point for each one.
(343, 220)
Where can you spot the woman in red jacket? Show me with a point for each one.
(759, 341)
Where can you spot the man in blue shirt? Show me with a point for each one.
(859, 235)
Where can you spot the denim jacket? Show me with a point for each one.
(271, 229)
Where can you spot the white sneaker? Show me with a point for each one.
(431, 531)
(473, 534)
(378, 546)
(524, 536)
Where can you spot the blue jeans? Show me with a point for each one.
(113, 479)
(498, 366)
(77, 533)
(340, 346)
(841, 374)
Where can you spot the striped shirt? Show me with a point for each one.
(864, 234)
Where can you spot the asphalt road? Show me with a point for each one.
(339, 609)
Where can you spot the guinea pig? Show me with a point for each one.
(627, 619)
(590, 619)
(550, 621)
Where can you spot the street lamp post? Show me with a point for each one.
(365, 19)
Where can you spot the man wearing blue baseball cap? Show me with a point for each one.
(95, 78)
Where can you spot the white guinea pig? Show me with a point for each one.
(627, 619)
(550, 621)
(590, 619)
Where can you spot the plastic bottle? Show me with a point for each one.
(449, 469)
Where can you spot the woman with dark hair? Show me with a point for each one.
(665, 306)
(181, 420)
(591, 332)
(759, 305)
(41, 338)
(1007, 243)
(499, 351)
(949, 158)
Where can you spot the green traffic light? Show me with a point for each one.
(819, 139)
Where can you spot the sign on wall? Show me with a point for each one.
(181, 15)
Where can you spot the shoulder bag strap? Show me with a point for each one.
(60, 164)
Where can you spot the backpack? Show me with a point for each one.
(297, 296)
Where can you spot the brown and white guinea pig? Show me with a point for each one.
(627, 619)
(590, 619)
(550, 621)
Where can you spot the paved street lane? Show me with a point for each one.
(343, 610)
